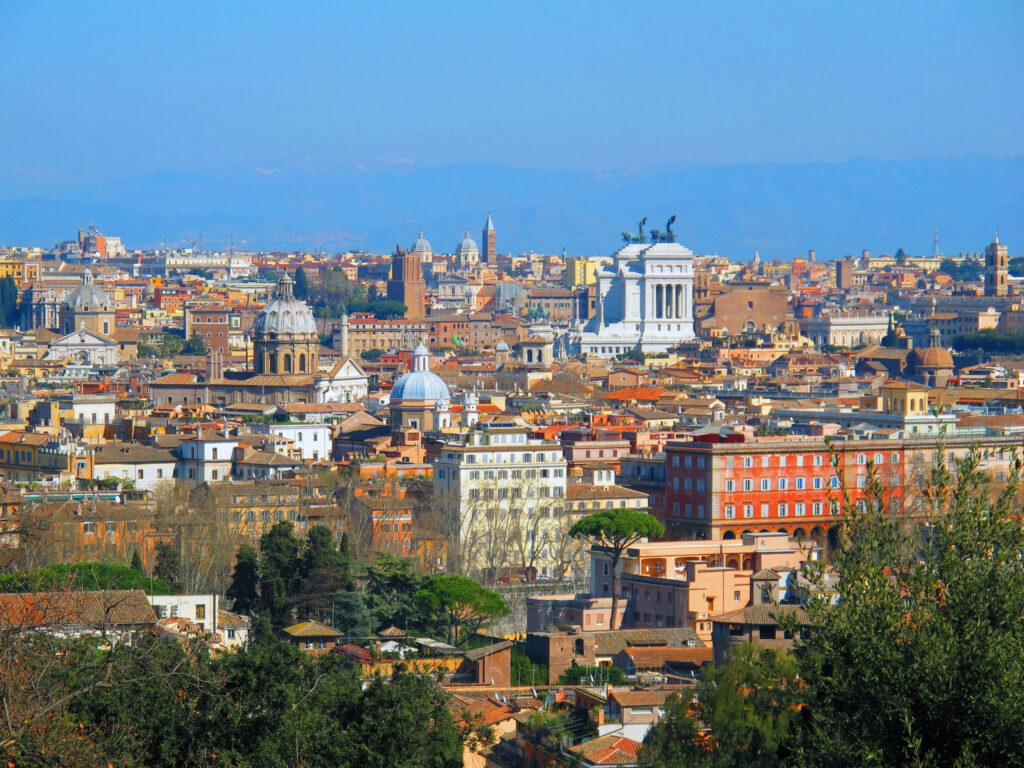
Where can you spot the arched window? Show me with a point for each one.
(302, 363)
(273, 363)
(287, 363)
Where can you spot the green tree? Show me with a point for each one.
(280, 576)
(82, 576)
(617, 530)
(524, 672)
(324, 571)
(301, 288)
(244, 588)
(676, 741)
(901, 257)
(465, 605)
(9, 311)
(195, 346)
(391, 585)
(920, 661)
(136, 561)
(168, 564)
(373, 355)
(349, 614)
(142, 349)
(583, 674)
(171, 345)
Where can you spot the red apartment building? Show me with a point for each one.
(722, 487)
(211, 322)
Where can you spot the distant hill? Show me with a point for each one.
(780, 210)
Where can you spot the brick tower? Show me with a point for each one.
(489, 242)
(406, 284)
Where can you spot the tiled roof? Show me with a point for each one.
(131, 453)
(175, 380)
(584, 492)
(655, 657)
(764, 613)
(487, 650)
(609, 750)
(610, 643)
(638, 698)
(311, 629)
(766, 573)
(90, 609)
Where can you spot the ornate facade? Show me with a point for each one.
(87, 308)
(644, 301)
(285, 340)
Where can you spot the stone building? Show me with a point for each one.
(285, 340)
(644, 301)
(87, 308)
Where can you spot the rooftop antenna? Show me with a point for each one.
(935, 243)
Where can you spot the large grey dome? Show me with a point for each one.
(87, 296)
(467, 246)
(422, 246)
(285, 313)
(420, 383)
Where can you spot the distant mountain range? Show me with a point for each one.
(781, 210)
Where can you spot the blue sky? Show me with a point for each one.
(136, 87)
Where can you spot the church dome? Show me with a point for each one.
(87, 296)
(502, 347)
(420, 383)
(422, 245)
(285, 314)
(937, 358)
(467, 246)
(932, 357)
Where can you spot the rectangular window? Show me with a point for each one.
(782, 461)
(819, 460)
(200, 611)
(701, 463)
(800, 483)
(783, 510)
(800, 509)
(766, 484)
(818, 483)
(700, 483)
(730, 511)
(766, 632)
(835, 482)
(800, 461)
(748, 511)
(783, 484)
(688, 484)
(764, 510)
(766, 461)
(688, 461)
(730, 486)
(748, 485)
(748, 461)
(816, 508)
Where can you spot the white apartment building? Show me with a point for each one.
(506, 492)
(312, 441)
(207, 458)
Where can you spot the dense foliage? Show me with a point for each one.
(990, 341)
(10, 312)
(82, 576)
(919, 663)
(290, 580)
(159, 704)
(966, 271)
(582, 674)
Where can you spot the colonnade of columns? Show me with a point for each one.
(669, 301)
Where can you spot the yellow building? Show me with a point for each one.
(580, 272)
(12, 267)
